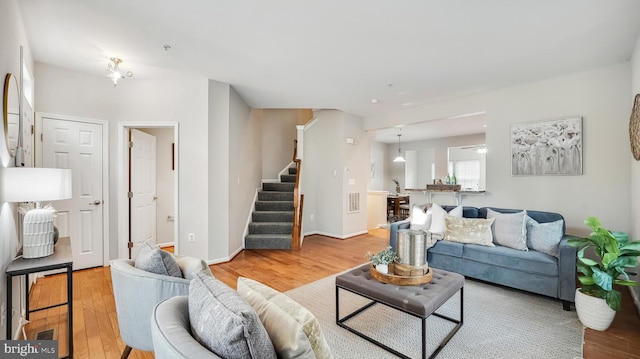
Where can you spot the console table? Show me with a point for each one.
(60, 259)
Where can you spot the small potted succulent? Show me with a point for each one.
(597, 301)
(382, 259)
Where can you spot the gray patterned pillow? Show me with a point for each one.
(224, 322)
(544, 237)
(155, 260)
(510, 229)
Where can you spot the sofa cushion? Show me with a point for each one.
(544, 237)
(420, 219)
(155, 260)
(447, 248)
(509, 229)
(224, 322)
(294, 331)
(437, 217)
(467, 212)
(468, 230)
(524, 261)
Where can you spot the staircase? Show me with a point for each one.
(272, 221)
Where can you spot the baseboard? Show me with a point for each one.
(333, 235)
(168, 244)
(225, 259)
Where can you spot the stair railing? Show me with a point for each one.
(298, 202)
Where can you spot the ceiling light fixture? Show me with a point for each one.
(399, 158)
(113, 71)
(375, 100)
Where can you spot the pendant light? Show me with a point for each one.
(399, 158)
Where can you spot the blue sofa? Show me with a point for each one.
(526, 270)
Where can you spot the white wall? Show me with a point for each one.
(600, 96)
(245, 167)
(12, 36)
(635, 167)
(278, 133)
(218, 178)
(164, 184)
(328, 166)
(172, 98)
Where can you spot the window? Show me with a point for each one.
(467, 173)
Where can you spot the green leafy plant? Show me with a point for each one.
(395, 180)
(385, 256)
(615, 253)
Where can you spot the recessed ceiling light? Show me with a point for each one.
(403, 93)
(375, 100)
(407, 104)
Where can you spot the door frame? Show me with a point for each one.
(105, 167)
(123, 184)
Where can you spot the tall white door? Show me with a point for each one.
(78, 146)
(142, 184)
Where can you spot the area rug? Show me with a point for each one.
(498, 323)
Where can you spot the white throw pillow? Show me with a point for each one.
(510, 229)
(437, 217)
(420, 220)
(294, 331)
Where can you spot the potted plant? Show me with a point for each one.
(597, 301)
(395, 180)
(382, 259)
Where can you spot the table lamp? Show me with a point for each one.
(28, 184)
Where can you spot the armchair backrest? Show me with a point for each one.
(136, 293)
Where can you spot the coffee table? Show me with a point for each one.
(420, 301)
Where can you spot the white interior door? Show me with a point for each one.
(143, 188)
(78, 145)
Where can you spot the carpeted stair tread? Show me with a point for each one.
(274, 205)
(293, 170)
(275, 196)
(268, 241)
(278, 186)
(272, 216)
(270, 228)
(288, 178)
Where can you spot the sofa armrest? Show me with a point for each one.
(393, 232)
(566, 270)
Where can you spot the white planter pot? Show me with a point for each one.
(383, 268)
(593, 312)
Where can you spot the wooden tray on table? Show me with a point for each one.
(400, 279)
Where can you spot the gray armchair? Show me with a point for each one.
(171, 332)
(136, 293)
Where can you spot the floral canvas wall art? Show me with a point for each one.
(552, 147)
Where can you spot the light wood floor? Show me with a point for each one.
(96, 332)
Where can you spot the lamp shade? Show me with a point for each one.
(28, 184)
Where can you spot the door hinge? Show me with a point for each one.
(130, 244)
(42, 137)
(32, 130)
(130, 194)
(130, 144)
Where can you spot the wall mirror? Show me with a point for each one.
(468, 164)
(11, 113)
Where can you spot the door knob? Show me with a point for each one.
(96, 202)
